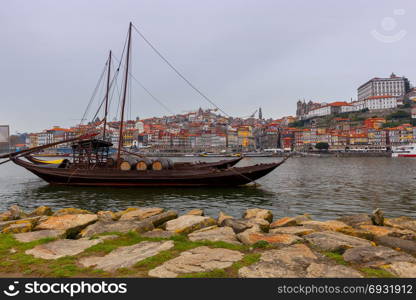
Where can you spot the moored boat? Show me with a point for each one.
(404, 151)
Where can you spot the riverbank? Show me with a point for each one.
(153, 242)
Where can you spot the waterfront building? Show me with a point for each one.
(393, 86)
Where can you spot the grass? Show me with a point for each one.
(376, 273)
(217, 273)
(336, 256)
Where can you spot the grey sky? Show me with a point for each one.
(243, 54)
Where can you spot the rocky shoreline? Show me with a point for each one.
(153, 242)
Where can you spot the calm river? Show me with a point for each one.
(323, 187)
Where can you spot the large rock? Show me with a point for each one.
(320, 270)
(201, 259)
(13, 213)
(196, 212)
(403, 269)
(189, 223)
(33, 221)
(158, 233)
(258, 213)
(287, 262)
(71, 211)
(125, 257)
(18, 228)
(377, 231)
(116, 226)
(377, 217)
(37, 235)
(335, 241)
(141, 213)
(324, 226)
(61, 248)
(293, 262)
(214, 234)
(41, 211)
(250, 238)
(370, 256)
(356, 220)
(402, 223)
(221, 217)
(397, 243)
(242, 225)
(296, 230)
(289, 221)
(106, 216)
(71, 224)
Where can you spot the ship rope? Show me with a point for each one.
(177, 71)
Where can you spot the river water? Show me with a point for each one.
(323, 187)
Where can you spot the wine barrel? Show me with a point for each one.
(143, 164)
(161, 164)
(128, 163)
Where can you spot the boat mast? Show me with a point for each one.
(107, 93)
(120, 136)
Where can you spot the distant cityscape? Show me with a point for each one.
(383, 115)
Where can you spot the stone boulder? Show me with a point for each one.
(369, 256)
(158, 233)
(320, 270)
(397, 243)
(42, 211)
(296, 230)
(293, 262)
(403, 269)
(402, 223)
(214, 234)
(356, 220)
(242, 225)
(324, 226)
(106, 216)
(221, 217)
(13, 213)
(116, 226)
(258, 214)
(18, 228)
(377, 217)
(290, 221)
(37, 235)
(278, 239)
(335, 241)
(71, 224)
(71, 211)
(61, 248)
(125, 257)
(141, 213)
(201, 259)
(145, 225)
(189, 223)
(196, 212)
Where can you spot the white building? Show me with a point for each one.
(393, 86)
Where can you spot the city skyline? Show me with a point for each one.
(240, 60)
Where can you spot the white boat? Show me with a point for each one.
(404, 151)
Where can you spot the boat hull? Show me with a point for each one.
(117, 178)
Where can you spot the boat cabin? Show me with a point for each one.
(91, 153)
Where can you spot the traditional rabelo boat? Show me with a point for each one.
(92, 165)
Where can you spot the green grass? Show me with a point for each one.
(261, 245)
(336, 257)
(376, 273)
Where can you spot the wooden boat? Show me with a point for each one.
(102, 176)
(91, 164)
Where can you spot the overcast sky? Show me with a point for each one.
(243, 54)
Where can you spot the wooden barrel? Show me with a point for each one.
(143, 164)
(128, 163)
(161, 164)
